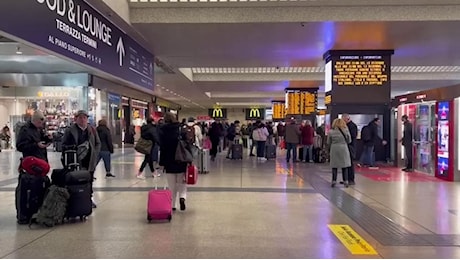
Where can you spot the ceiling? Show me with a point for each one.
(270, 45)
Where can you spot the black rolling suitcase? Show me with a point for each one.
(30, 193)
(237, 150)
(270, 151)
(78, 182)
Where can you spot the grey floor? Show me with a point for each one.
(243, 209)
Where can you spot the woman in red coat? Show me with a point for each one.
(307, 133)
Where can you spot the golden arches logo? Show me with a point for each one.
(217, 113)
(254, 113)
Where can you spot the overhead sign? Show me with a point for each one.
(279, 110)
(217, 113)
(74, 29)
(255, 113)
(301, 102)
(361, 70)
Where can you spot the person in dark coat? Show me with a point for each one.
(175, 171)
(353, 130)
(148, 132)
(106, 146)
(215, 132)
(32, 140)
(406, 141)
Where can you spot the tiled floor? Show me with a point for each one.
(245, 209)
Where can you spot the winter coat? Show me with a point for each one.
(307, 133)
(292, 134)
(339, 153)
(169, 136)
(106, 138)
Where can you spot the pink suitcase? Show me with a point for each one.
(159, 205)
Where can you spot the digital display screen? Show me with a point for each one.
(361, 70)
(255, 113)
(301, 102)
(443, 138)
(279, 110)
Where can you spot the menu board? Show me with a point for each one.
(279, 110)
(301, 102)
(443, 138)
(361, 70)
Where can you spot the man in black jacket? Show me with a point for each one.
(353, 129)
(370, 137)
(32, 140)
(407, 143)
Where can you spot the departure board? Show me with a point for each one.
(279, 110)
(301, 102)
(361, 70)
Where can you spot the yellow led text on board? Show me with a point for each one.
(351, 240)
(360, 73)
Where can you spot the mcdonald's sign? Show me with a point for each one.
(255, 113)
(217, 113)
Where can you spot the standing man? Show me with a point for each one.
(83, 135)
(292, 138)
(32, 140)
(370, 138)
(406, 141)
(353, 129)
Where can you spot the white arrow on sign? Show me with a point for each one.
(120, 51)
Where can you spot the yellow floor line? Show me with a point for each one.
(351, 240)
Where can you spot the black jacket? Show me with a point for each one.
(374, 132)
(28, 139)
(106, 138)
(169, 136)
(149, 132)
(407, 134)
(353, 129)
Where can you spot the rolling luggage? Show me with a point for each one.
(159, 205)
(192, 175)
(30, 194)
(270, 151)
(203, 162)
(237, 152)
(78, 183)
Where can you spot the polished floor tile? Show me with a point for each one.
(241, 209)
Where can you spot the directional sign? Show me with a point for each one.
(73, 29)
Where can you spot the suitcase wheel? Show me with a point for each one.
(83, 218)
(169, 218)
(149, 219)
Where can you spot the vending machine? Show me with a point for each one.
(445, 140)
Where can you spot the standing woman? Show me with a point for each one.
(175, 172)
(260, 135)
(106, 146)
(338, 140)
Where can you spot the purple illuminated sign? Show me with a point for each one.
(74, 29)
(443, 138)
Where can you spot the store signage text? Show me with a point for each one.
(53, 94)
(74, 29)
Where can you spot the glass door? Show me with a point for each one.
(423, 138)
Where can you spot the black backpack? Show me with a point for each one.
(188, 134)
(366, 134)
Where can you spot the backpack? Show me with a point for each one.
(53, 209)
(188, 134)
(366, 134)
(33, 165)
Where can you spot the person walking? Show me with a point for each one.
(106, 147)
(338, 140)
(170, 134)
(148, 132)
(215, 133)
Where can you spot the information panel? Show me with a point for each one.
(361, 70)
(301, 102)
(443, 138)
(279, 110)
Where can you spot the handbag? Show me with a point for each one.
(351, 148)
(143, 146)
(183, 152)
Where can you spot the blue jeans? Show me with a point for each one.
(368, 156)
(307, 149)
(261, 149)
(107, 158)
(289, 147)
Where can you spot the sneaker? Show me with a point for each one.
(108, 175)
(373, 168)
(93, 204)
(141, 176)
(263, 159)
(333, 184)
(351, 183)
(345, 184)
(252, 155)
(182, 204)
(341, 182)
